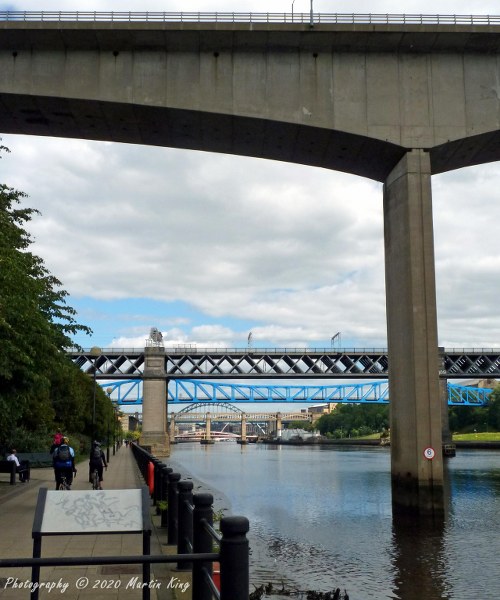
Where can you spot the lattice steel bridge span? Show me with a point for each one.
(128, 392)
(278, 363)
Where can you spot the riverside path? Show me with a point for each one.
(17, 509)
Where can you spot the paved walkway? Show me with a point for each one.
(17, 508)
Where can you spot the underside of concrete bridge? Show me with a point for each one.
(395, 103)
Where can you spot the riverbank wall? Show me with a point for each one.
(315, 441)
(472, 445)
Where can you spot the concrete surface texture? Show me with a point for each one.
(346, 97)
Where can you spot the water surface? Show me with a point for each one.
(320, 518)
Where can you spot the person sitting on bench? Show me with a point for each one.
(23, 467)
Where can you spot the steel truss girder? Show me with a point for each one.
(195, 392)
(282, 363)
(114, 364)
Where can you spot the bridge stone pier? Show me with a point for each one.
(243, 439)
(208, 430)
(276, 425)
(154, 409)
(396, 103)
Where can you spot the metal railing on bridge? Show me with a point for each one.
(248, 17)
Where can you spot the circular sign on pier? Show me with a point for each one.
(429, 453)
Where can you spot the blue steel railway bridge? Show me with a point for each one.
(208, 402)
(129, 392)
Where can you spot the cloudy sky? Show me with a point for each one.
(209, 248)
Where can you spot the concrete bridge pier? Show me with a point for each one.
(279, 425)
(243, 439)
(208, 431)
(416, 411)
(154, 408)
(171, 428)
(449, 448)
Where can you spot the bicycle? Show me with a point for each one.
(95, 480)
(63, 485)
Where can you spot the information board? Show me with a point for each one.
(93, 511)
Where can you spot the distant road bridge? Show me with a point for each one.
(185, 391)
(205, 414)
(226, 413)
(276, 363)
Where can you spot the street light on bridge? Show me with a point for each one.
(108, 392)
(95, 352)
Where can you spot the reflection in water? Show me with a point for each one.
(321, 518)
(419, 559)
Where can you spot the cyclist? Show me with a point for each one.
(97, 461)
(63, 461)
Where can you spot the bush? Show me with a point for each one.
(26, 441)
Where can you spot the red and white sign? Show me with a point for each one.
(429, 453)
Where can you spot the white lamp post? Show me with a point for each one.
(95, 352)
(108, 392)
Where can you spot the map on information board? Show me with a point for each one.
(93, 511)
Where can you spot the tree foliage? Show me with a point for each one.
(39, 385)
(466, 419)
(352, 420)
(494, 409)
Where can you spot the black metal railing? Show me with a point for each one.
(189, 519)
(190, 526)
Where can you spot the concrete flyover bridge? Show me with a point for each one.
(392, 99)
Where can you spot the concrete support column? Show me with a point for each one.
(243, 429)
(448, 445)
(208, 431)
(171, 429)
(449, 448)
(416, 407)
(279, 425)
(154, 403)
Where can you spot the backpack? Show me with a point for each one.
(96, 453)
(63, 453)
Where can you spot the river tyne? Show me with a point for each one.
(321, 517)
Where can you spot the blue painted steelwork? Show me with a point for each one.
(188, 391)
(206, 391)
(128, 391)
(461, 395)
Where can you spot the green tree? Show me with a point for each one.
(354, 420)
(493, 409)
(35, 326)
(305, 425)
(465, 419)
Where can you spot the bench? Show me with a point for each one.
(9, 466)
(36, 459)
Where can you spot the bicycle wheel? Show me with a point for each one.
(95, 480)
